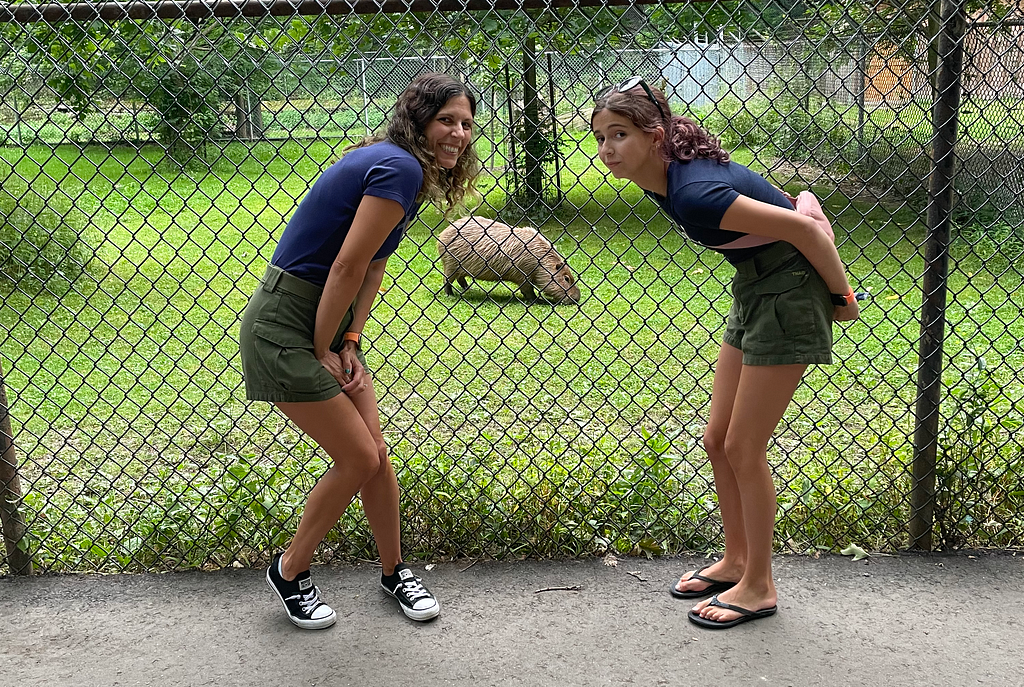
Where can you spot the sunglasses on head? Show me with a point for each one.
(629, 84)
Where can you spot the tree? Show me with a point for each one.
(487, 44)
(897, 26)
(187, 70)
(667, 22)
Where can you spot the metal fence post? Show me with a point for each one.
(945, 111)
(366, 95)
(19, 561)
(494, 114)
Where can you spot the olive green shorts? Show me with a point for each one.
(781, 312)
(276, 342)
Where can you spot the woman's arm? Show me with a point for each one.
(367, 294)
(764, 219)
(354, 375)
(374, 220)
(364, 299)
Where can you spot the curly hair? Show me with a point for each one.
(414, 110)
(684, 140)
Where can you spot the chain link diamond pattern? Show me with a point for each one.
(149, 166)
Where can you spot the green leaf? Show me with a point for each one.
(855, 551)
(650, 545)
(238, 472)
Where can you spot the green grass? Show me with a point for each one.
(516, 429)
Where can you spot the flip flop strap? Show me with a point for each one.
(697, 576)
(721, 604)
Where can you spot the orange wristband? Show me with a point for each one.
(843, 298)
(351, 336)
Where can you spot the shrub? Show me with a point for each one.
(188, 103)
(986, 187)
(40, 236)
(738, 123)
(784, 127)
(978, 467)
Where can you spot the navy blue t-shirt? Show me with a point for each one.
(699, 193)
(314, 234)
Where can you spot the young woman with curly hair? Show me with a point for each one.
(790, 285)
(300, 334)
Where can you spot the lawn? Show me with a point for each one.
(516, 428)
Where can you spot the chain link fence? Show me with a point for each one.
(150, 155)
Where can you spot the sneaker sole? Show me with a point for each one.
(298, 622)
(412, 613)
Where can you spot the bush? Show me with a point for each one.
(785, 127)
(986, 185)
(40, 237)
(737, 123)
(188, 103)
(979, 464)
(817, 134)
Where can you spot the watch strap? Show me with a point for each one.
(843, 299)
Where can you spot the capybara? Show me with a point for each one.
(488, 250)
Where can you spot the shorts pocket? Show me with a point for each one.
(282, 336)
(287, 357)
(786, 301)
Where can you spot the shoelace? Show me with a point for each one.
(414, 590)
(309, 601)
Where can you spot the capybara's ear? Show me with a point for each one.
(559, 266)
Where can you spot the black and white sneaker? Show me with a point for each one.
(301, 599)
(416, 600)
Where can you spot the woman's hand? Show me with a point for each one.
(332, 363)
(807, 204)
(846, 313)
(355, 381)
(788, 197)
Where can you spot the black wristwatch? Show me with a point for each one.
(840, 299)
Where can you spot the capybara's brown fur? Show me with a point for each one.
(488, 250)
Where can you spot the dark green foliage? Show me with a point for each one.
(977, 471)
(40, 235)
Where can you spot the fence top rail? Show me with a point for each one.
(24, 13)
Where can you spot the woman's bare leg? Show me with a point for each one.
(762, 397)
(338, 428)
(380, 493)
(723, 396)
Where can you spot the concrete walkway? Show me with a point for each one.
(902, 620)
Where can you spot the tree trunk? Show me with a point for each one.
(533, 137)
(248, 115)
(12, 521)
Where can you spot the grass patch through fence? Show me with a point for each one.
(516, 428)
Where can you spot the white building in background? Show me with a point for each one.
(698, 73)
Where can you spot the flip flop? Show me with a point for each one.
(714, 586)
(745, 615)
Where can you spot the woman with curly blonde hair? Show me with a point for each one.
(300, 334)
